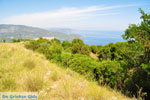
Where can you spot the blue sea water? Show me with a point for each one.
(100, 37)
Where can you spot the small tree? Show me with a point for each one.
(3, 40)
(138, 36)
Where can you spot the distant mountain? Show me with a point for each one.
(27, 32)
(64, 30)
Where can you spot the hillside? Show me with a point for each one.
(25, 70)
(21, 31)
(64, 30)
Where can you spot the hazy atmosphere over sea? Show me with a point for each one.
(112, 16)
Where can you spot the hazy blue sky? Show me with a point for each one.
(76, 14)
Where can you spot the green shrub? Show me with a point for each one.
(110, 72)
(66, 44)
(55, 41)
(85, 50)
(51, 49)
(80, 63)
(79, 47)
(35, 44)
(78, 41)
(54, 52)
(141, 77)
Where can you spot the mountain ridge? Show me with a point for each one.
(10, 31)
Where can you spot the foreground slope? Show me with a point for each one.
(24, 70)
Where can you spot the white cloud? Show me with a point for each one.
(65, 17)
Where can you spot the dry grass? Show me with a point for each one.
(95, 56)
(30, 71)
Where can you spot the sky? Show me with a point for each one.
(75, 14)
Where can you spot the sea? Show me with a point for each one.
(96, 37)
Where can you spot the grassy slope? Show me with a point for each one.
(25, 70)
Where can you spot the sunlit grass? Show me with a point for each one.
(24, 70)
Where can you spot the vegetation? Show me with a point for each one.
(3, 40)
(79, 47)
(119, 65)
(124, 66)
(94, 49)
(138, 37)
(24, 70)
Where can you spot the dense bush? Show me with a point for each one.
(114, 51)
(54, 52)
(80, 63)
(67, 46)
(51, 49)
(19, 40)
(79, 47)
(107, 72)
(110, 72)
